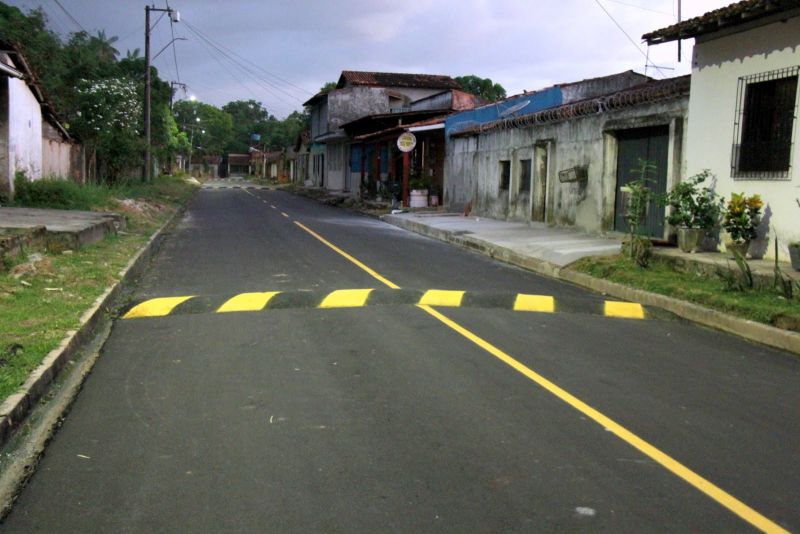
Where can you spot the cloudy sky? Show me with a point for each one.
(281, 52)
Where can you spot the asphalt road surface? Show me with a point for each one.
(404, 417)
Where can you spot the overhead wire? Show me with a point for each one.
(646, 57)
(241, 60)
(644, 8)
(68, 14)
(174, 51)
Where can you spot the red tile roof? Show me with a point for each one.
(396, 79)
(732, 15)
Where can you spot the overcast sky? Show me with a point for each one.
(281, 52)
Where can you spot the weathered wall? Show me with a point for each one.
(472, 165)
(56, 154)
(717, 66)
(601, 86)
(25, 130)
(351, 103)
(6, 179)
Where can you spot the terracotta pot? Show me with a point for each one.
(689, 238)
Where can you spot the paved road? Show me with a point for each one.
(397, 417)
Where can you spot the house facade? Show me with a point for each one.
(564, 156)
(359, 94)
(32, 140)
(743, 105)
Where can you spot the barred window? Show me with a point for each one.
(524, 175)
(764, 126)
(505, 174)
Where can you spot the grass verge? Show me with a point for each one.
(40, 301)
(764, 306)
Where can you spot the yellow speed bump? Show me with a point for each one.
(155, 307)
(247, 302)
(346, 298)
(535, 303)
(438, 297)
(626, 310)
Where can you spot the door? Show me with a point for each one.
(634, 147)
(539, 183)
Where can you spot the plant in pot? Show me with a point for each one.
(741, 217)
(695, 210)
(419, 191)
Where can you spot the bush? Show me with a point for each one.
(57, 193)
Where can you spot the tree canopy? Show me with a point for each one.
(483, 87)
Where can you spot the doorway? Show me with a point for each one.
(633, 147)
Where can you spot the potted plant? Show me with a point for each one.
(695, 210)
(741, 217)
(419, 191)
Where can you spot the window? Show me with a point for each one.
(524, 175)
(505, 174)
(763, 131)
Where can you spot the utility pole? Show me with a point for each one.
(175, 16)
(172, 91)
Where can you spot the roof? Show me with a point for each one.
(653, 91)
(396, 79)
(27, 74)
(373, 136)
(725, 17)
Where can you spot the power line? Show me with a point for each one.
(174, 51)
(68, 14)
(644, 8)
(646, 58)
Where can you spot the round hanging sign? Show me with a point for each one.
(406, 142)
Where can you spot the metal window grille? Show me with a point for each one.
(505, 174)
(524, 175)
(763, 133)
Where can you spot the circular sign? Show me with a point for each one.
(406, 142)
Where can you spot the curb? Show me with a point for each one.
(17, 406)
(744, 328)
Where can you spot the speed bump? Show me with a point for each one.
(357, 298)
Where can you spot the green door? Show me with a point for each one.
(633, 146)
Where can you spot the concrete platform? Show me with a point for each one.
(64, 229)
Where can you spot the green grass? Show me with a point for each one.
(39, 307)
(764, 306)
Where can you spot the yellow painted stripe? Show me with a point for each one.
(627, 310)
(155, 307)
(438, 297)
(285, 214)
(346, 298)
(707, 487)
(350, 258)
(726, 499)
(535, 303)
(247, 302)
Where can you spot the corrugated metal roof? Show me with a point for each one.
(397, 79)
(728, 16)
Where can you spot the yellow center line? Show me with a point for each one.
(285, 214)
(675, 467)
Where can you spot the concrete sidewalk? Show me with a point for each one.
(547, 249)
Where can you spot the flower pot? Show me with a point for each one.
(418, 198)
(689, 238)
(794, 255)
(738, 246)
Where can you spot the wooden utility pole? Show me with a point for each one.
(147, 166)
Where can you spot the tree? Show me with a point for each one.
(249, 117)
(328, 87)
(482, 87)
(217, 124)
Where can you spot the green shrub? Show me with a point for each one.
(57, 193)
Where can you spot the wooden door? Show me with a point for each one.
(633, 147)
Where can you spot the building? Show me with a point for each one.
(32, 141)
(562, 155)
(359, 94)
(743, 105)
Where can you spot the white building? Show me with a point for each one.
(743, 104)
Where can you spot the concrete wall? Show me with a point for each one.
(57, 154)
(319, 119)
(24, 131)
(717, 65)
(336, 161)
(351, 103)
(601, 86)
(472, 165)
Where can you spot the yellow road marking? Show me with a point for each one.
(535, 303)
(438, 297)
(628, 310)
(273, 207)
(155, 307)
(350, 258)
(285, 214)
(346, 298)
(247, 302)
(670, 464)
